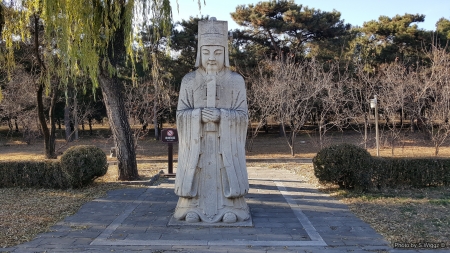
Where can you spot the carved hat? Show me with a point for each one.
(212, 33)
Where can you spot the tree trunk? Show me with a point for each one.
(10, 126)
(155, 120)
(113, 90)
(49, 142)
(292, 143)
(320, 134)
(265, 126)
(49, 136)
(67, 123)
(282, 130)
(75, 114)
(366, 122)
(51, 115)
(90, 125)
(17, 125)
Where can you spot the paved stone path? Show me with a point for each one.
(289, 215)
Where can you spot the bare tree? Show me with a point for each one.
(437, 108)
(19, 104)
(259, 99)
(392, 95)
(360, 90)
(147, 101)
(288, 92)
(331, 105)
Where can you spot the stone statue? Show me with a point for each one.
(212, 119)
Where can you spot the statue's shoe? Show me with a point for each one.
(229, 218)
(192, 217)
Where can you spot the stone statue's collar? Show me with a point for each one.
(221, 73)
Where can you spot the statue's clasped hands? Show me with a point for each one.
(210, 115)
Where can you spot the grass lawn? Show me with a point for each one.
(400, 215)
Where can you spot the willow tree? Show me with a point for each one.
(98, 39)
(22, 21)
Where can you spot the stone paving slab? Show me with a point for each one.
(288, 215)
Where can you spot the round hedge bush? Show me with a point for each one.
(347, 165)
(82, 164)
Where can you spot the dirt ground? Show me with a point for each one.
(265, 145)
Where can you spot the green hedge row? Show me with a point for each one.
(416, 172)
(352, 167)
(78, 167)
(42, 174)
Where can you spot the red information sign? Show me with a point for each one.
(169, 135)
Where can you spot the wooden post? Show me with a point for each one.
(170, 160)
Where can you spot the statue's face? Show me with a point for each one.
(213, 58)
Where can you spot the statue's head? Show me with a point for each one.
(212, 51)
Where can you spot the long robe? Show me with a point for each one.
(212, 175)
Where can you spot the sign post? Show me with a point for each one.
(170, 136)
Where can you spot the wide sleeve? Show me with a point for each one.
(189, 133)
(233, 130)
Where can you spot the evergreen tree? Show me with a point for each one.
(391, 39)
(443, 29)
(287, 26)
(184, 42)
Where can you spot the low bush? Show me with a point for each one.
(352, 167)
(78, 167)
(82, 164)
(347, 165)
(39, 174)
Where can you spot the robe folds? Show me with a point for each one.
(212, 174)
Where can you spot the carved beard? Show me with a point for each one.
(212, 68)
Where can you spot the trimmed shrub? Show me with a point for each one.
(39, 174)
(415, 172)
(352, 167)
(82, 164)
(347, 165)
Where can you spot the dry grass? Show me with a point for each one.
(404, 215)
(26, 212)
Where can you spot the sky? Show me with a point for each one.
(355, 12)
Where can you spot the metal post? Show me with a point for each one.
(170, 158)
(374, 104)
(376, 126)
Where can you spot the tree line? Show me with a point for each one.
(76, 62)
